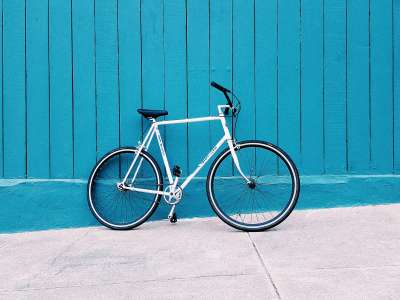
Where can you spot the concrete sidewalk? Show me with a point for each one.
(343, 253)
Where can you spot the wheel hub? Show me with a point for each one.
(121, 187)
(252, 184)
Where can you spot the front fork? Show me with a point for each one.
(232, 146)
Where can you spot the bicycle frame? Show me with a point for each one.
(155, 131)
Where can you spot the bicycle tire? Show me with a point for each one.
(225, 214)
(92, 184)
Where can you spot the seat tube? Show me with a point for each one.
(144, 145)
(164, 155)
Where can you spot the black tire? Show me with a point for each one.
(107, 173)
(270, 180)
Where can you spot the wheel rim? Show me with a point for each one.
(267, 199)
(122, 208)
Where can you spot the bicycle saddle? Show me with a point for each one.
(152, 113)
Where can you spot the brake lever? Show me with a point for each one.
(226, 111)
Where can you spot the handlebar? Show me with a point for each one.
(225, 91)
(219, 87)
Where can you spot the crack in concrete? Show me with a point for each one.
(267, 273)
(356, 267)
(106, 264)
(128, 282)
(67, 248)
(63, 251)
(3, 245)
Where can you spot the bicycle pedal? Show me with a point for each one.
(177, 171)
(174, 218)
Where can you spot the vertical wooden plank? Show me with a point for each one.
(198, 80)
(312, 138)
(381, 87)
(243, 70)
(129, 71)
(61, 120)
(84, 87)
(14, 89)
(266, 43)
(266, 40)
(243, 66)
(1, 96)
(153, 61)
(175, 80)
(37, 85)
(220, 58)
(335, 86)
(106, 76)
(289, 77)
(358, 85)
(396, 79)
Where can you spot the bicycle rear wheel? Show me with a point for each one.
(270, 196)
(119, 208)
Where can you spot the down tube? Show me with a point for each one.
(205, 160)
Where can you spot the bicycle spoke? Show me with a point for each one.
(122, 207)
(261, 201)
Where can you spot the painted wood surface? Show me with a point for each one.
(14, 89)
(319, 78)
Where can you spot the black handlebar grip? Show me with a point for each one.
(219, 87)
(224, 90)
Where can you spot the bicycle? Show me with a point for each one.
(251, 185)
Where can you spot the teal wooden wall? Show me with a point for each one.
(319, 78)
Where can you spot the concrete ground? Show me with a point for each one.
(342, 253)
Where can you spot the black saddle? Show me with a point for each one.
(152, 113)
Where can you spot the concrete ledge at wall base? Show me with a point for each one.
(28, 205)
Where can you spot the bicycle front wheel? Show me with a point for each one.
(121, 208)
(267, 199)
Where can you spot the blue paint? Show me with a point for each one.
(198, 80)
(84, 82)
(358, 100)
(381, 87)
(221, 61)
(37, 89)
(14, 104)
(312, 133)
(289, 78)
(129, 71)
(243, 67)
(175, 81)
(61, 97)
(107, 96)
(266, 75)
(220, 58)
(1, 96)
(335, 86)
(396, 88)
(319, 79)
(66, 204)
(153, 63)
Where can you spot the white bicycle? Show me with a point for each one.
(251, 185)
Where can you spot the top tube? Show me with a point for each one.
(220, 116)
